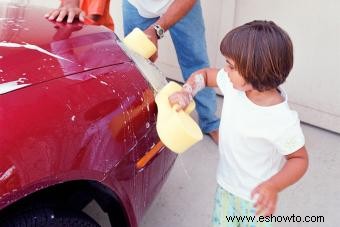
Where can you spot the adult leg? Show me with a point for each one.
(188, 36)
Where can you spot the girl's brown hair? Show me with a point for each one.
(262, 52)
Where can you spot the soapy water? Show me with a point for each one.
(183, 167)
(13, 85)
(31, 47)
(103, 82)
(7, 173)
(149, 71)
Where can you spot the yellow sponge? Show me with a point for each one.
(139, 42)
(177, 130)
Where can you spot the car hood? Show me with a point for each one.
(34, 49)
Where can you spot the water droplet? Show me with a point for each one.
(93, 76)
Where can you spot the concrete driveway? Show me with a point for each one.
(186, 199)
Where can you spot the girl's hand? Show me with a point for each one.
(182, 99)
(266, 195)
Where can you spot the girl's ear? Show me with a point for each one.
(248, 87)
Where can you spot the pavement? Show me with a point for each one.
(186, 200)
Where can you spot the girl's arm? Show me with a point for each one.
(197, 81)
(292, 171)
(209, 75)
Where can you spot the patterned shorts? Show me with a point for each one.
(233, 211)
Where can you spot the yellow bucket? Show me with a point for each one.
(140, 43)
(177, 130)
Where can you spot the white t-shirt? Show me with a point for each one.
(151, 8)
(253, 139)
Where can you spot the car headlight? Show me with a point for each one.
(149, 70)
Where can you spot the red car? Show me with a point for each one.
(77, 123)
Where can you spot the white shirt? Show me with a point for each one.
(253, 139)
(151, 8)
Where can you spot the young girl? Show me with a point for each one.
(261, 143)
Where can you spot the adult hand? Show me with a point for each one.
(266, 198)
(151, 34)
(68, 10)
(181, 99)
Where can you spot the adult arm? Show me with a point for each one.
(176, 11)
